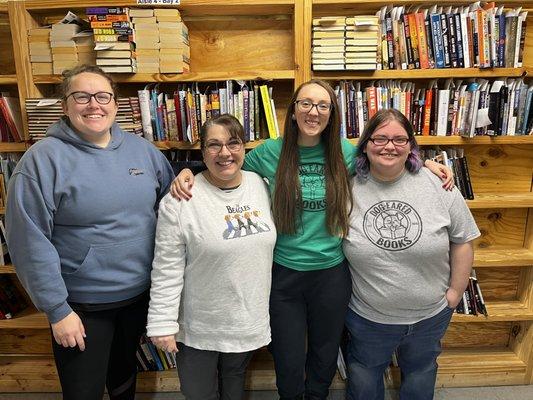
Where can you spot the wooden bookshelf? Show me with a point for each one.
(170, 145)
(13, 147)
(519, 257)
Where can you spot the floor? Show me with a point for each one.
(482, 393)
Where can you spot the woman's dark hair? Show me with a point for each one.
(362, 164)
(228, 122)
(68, 74)
(287, 202)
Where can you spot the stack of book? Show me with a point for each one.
(345, 43)
(40, 51)
(174, 52)
(64, 50)
(329, 43)
(129, 115)
(162, 41)
(114, 39)
(85, 48)
(361, 49)
(146, 39)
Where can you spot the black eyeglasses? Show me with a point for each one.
(383, 141)
(216, 147)
(85, 98)
(306, 105)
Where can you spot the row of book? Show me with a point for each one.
(150, 358)
(11, 129)
(179, 116)
(345, 43)
(8, 162)
(441, 107)
(479, 35)
(41, 113)
(455, 159)
(12, 301)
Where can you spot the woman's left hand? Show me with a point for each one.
(453, 297)
(443, 172)
(165, 343)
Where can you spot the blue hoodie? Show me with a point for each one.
(81, 219)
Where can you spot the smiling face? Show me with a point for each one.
(311, 124)
(387, 162)
(92, 121)
(224, 166)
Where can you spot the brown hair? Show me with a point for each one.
(287, 202)
(64, 87)
(228, 122)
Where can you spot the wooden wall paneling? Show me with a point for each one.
(241, 43)
(474, 335)
(500, 228)
(505, 168)
(7, 61)
(499, 284)
(23, 341)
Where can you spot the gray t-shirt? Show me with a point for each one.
(398, 246)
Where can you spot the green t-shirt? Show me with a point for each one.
(312, 247)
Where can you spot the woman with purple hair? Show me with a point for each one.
(410, 252)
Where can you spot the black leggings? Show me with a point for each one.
(109, 358)
(308, 305)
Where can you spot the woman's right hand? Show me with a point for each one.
(181, 185)
(165, 343)
(69, 332)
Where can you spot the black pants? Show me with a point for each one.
(308, 305)
(109, 357)
(211, 375)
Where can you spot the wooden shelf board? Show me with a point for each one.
(501, 200)
(420, 73)
(12, 147)
(171, 145)
(458, 140)
(7, 269)
(30, 318)
(519, 257)
(499, 311)
(186, 77)
(8, 79)
(205, 7)
(33, 373)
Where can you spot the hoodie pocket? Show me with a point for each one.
(114, 266)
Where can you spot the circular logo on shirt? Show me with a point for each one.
(392, 225)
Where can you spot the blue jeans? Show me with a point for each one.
(370, 351)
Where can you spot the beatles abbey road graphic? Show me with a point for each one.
(392, 225)
(243, 221)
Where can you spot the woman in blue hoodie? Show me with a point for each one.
(85, 199)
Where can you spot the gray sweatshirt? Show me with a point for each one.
(81, 219)
(212, 267)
